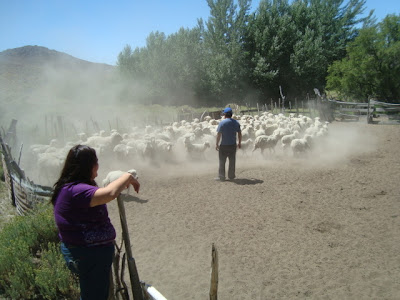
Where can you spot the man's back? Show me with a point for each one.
(228, 127)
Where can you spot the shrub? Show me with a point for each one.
(31, 264)
(52, 277)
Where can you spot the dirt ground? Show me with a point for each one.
(323, 226)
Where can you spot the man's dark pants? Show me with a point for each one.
(227, 151)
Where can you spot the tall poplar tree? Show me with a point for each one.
(225, 64)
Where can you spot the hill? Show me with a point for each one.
(36, 82)
(37, 55)
(38, 86)
(24, 69)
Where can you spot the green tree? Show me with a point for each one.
(292, 45)
(224, 58)
(167, 70)
(269, 41)
(372, 65)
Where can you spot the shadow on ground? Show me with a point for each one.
(245, 181)
(130, 198)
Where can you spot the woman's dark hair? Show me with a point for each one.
(78, 167)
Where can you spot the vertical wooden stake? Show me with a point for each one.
(133, 274)
(214, 274)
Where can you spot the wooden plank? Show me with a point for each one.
(366, 110)
(346, 116)
(356, 110)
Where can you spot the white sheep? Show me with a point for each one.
(245, 145)
(122, 151)
(260, 132)
(196, 150)
(145, 148)
(269, 129)
(106, 143)
(163, 150)
(265, 142)
(248, 132)
(49, 166)
(114, 175)
(287, 139)
(301, 146)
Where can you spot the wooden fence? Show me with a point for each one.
(22, 193)
(382, 109)
(310, 107)
(372, 111)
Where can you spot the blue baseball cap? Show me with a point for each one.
(227, 110)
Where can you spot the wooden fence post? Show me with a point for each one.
(133, 274)
(214, 274)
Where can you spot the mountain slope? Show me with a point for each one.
(24, 69)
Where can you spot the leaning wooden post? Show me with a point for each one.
(20, 153)
(214, 274)
(133, 274)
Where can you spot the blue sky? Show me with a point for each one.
(97, 31)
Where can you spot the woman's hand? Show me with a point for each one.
(135, 183)
(112, 190)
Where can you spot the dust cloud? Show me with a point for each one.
(92, 99)
(335, 150)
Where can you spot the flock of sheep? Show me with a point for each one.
(180, 141)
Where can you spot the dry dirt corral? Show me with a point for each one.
(322, 227)
(326, 226)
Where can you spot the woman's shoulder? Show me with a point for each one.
(79, 186)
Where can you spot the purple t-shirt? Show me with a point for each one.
(78, 223)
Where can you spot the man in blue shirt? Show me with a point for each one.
(226, 134)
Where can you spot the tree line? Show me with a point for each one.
(238, 56)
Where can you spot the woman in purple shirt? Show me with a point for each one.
(80, 211)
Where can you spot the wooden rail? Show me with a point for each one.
(372, 109)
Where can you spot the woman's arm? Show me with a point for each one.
(112, 191)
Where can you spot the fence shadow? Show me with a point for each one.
(130, 198)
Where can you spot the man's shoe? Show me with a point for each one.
(219, 179)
